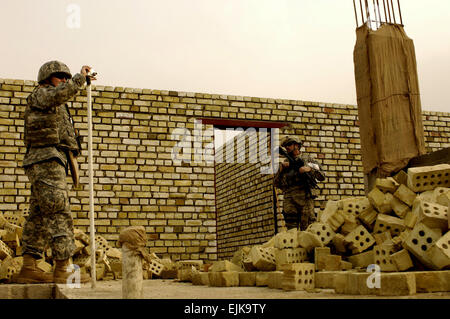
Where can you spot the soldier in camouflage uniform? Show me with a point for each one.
(49, 136)
(298, 203)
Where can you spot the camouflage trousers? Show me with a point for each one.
(298, 208)
(50, 220)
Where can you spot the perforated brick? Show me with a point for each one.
(308, 240)
(405, 194)
(359, 239)
(444, 244)
(428, 177)
(156, 267)
(432, 215)
(386, 184)
(399, 208)
(298, 277)
(217, 266)
(392, 224)
(5, 251)
(419, 242)
(382, 257)
(402, 260)
(368, 216)
(286, 239)
(355, 205)
(323, 231)
(378, 199)
(197, 264)
(263, 258)
(290, 256)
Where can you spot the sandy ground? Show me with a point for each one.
(172, 289)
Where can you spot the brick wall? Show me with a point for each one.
(138, 183)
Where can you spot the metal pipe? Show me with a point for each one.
(385, 12)
(362, 14)
(91, 187)
(356, 16)
(379, 13)
(393, 11)
(389, 11)
(366, 4)
(376, 15)
(400, 12)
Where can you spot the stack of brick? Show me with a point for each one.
(108, 259)
(401, 225)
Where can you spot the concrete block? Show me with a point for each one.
(290, 256)
(442, 196)
(5, 251)
(432, 215)
(262, 278)
(332, 215)
(363, 259)
(200, 278)
(325, 279)
(380, 201)
(402, 260)
(323, 231)
(368, 216)
(401, 177)
(320, 251)
(399, 208)
(339, 243)
(224, 279)
(247, 279)
(40, 291)
(224, 265)
(382, 257)
(381, 238)
(397, 284)
(405, 194)
(386, 185)
(355, 205)
(432, 281)
(438, 258)
(392, 224)
(308, 240)
(359, 239)
(286, 239)
(275, 280)
(329, 262)
(298, 277)
(346, 265)
(419, 242)
(428, 177)
(263, 258)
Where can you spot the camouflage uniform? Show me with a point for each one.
(49, 134)
(298, 204)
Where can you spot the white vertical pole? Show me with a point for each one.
(91, 187)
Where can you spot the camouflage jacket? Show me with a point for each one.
(283, 182)
(49, 132)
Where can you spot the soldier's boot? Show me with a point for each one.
(63, 272)
(30, 274)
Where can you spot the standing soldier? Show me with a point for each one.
(51, 142)
(297, 177)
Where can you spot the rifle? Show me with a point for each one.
(295, 164)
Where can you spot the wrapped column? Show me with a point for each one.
(133, 240)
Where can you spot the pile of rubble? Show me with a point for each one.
(401, 226)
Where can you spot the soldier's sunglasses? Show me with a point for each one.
(61, 76)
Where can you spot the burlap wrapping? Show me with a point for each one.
(135, 238)
(389, 107)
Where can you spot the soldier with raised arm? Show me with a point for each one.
(51, 143)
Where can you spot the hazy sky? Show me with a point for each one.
(292, 49)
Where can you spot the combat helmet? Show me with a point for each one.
(290, 140)
(52, 67)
